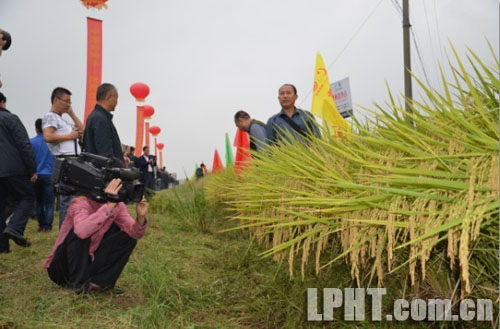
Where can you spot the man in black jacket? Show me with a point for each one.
(147, 164)
(100, 136)
(17, 172)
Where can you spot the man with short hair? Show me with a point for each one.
(44, 190)
(132, 157)
(100, 135)
(17, 172)
(146, 164)
(254, 128)
(299, 123)
(61, 136)
(164, 178)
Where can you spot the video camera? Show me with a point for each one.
(89, 174)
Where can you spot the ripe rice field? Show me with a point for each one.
(406, 202)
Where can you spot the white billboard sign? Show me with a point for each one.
(341, 91)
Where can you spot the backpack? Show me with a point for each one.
(253, 146)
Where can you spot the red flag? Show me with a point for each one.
(242, 143)
(217, 165)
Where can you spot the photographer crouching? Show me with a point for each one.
(98, 235)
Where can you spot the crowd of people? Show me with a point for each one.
(96, 237)
(151, 175)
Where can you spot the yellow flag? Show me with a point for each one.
(323, 105)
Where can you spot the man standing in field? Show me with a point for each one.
(101, 136)
(61, 136)
(298, 123)
(17, 173)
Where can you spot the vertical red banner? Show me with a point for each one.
(161, 159)
(147, 133)
(156, 152)
(139, 131)
(94, 63)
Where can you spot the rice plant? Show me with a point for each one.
(186, 203)
(402, 188)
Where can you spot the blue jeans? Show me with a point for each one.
(64, 201)
(20, 190)
(44, 192)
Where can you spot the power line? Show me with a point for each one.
(355, 34)
(413, 33)
(430, 38)
(438, 32)
(347, 45)
(397, 6)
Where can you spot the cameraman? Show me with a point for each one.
(95, 242)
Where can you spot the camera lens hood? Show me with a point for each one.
(6, 37)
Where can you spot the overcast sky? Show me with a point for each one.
(204, 60)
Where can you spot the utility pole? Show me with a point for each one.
(407, 59)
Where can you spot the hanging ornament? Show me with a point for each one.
(98, 4)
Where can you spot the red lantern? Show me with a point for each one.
(140, 91)
(148, 111)
(99, 4)
(160, 147)
(155, 130)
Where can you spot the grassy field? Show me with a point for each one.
(178, 277)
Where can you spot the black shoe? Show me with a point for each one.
(98, 289)
(16, 237)
(117, 291)
(4, 251)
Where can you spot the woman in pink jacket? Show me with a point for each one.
(95, 242)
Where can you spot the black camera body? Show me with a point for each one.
(88, 174)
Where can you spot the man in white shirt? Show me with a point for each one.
(61, 136)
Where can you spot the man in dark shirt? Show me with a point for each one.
(299, 123)
(100, 136)
(17, 172)
(132, 157)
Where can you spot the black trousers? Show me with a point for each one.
(150, 180)
(19, 190)
(72, 266)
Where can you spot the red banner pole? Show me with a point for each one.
(94, 64)
(139, 133)
(147, 133)
(155, 147)
(161, 159)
